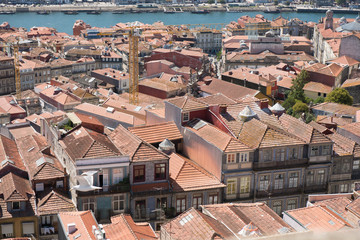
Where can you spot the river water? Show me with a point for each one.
(64, 23)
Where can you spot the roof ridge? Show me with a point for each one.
(82, 222)
(127, 224)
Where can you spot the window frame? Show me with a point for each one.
(244, 157)
(182, 200)
(139, 168)
(186, 116)
(231, 184)
(161, 167)
(357, 164)
(277, 181)
(293, 153)
(326, 150)
(88, 202)
(163, 204)
(273, 206)
(231, 158)
(116, 199)
(245, 184)
(116, 176)
(313, 152)
(16, 209)
(291, 182)
(320, 177)
(199, 200)
(294, 205)
(212, 197)
(263, 182)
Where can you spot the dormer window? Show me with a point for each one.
(244, 157)
(186, 117)
(15, 205)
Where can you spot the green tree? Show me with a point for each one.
(300, 107)
(319, 100)
(340, 95)
(297, 88)
(219, 55)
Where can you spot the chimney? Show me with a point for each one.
(222, 109)
(71, 228)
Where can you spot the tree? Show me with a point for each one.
(339, 95)
(300, 107)
(297, 88)
(319, 100)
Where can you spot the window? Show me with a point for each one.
(245, 184)
(291, 204)
(244, 157)
(197, 201)
(186, 116)
(15, 205)
(213, 198)
(118, 203)
(315, 151)
(326, 150)
(264, 182)
(277, 207)
(124, 83)
(180, 204)
(279, 181)
(231, 186)
(89, 204)
(139, 173)
(160, 171)
(319, 94)
(310, 178)
(356, 165)
(293, 153)
(7, 230)
(105, 173)
(46, 220)
(161, 203)
(320, 177)
(293, 179)
(280, 154)
(118, 175)
(346, 166)
(231, 157)
(28, 229)
(266, 155)
(39, 187)
(344, 188)
(59, 184)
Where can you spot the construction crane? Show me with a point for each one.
(16, 56)
(134, 36)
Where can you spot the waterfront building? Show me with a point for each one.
(209, 40)
(7, 75)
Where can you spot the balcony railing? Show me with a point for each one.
(279, 164)
(148, 214)
(278, 192)
(315, 188)
(117, 188)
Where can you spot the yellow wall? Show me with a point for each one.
(17, 224)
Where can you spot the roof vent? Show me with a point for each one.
(71, 228)
(277, 108)
(167, 147)
(110, 109)
(249, 230)
(12, 102)
(247, 113)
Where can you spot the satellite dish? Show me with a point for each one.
(86, 181)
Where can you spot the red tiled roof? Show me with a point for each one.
(186, 175)
(15, 188)
(85, 143)
(336, 108)
(157, 133)
(237, 215)
(123, 227)
(345, 60)
(53, 203)
(83, 220)
(187, 103)
(318, 219)
(10, 154)
(336, 204)
(354, 207)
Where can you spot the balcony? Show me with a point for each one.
(117, 188)
(278, 192)
(279, 164)
(145, 214)
(316, 188)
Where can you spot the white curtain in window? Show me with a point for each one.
(28, 228)
(7, 228)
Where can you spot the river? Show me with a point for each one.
(64, 23)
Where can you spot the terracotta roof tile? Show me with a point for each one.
(19, 132)
(85, 143)
(317, 87)
(336, 108)
(236, 215)
(123, 227)
(342, 145)
(41, 166)
(217, 99)
(354, 207)
(345, 60)
(318, 219)
(53, 203)
(9, 153)
(193, 224)
(337, 204)
(15, 188)
(138, 150)
(83, 221)
(187, 103)
(351, 83)
(157, 133)
(186, 175)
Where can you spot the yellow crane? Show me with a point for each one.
(134, 35)
(16, 56)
